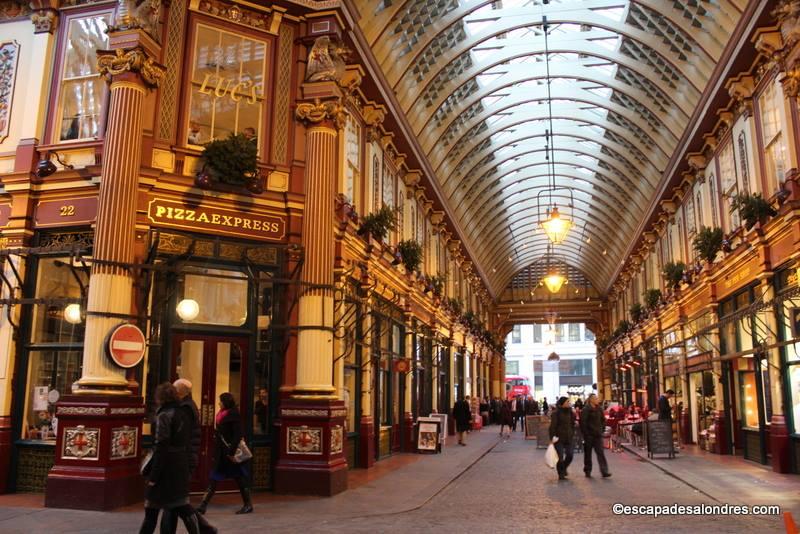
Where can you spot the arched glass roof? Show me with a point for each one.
(626, 76)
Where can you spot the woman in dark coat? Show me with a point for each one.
(463, 418)
(168, 471)
(506, 417)
(227, 435)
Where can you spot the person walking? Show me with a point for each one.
(168, 473)
(184, 390)
(506, 417)
(227, 435)
(485, 411)
(519, 415)
(592, 424)
(513, 407)
(545, 406)
(664, 409)
(562, 427)
(462, 416)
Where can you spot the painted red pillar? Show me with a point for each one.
(98, 443)
(779, 444)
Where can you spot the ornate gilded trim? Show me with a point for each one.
(80, 410)
(9, 59)
(119, 61)
(44, 21)
(318, 111)
(304, 413)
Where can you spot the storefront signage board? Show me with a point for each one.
(66, 211)
(659, 439)
(126, 345)
(428, 435)
(216, 220)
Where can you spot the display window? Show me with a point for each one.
(56, 341)
(748, 399)
(227, 86)
(789, 332)
(213, 297)
(82, 91)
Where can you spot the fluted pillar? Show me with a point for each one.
(100, 424)
(311, 457)
(315, 316)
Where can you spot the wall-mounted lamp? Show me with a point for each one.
(45, 167)
(72, 313)
(188, 309)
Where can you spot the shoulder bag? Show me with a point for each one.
(242, 453)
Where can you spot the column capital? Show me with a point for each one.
(135, 60)
(320, 111)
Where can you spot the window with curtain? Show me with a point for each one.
(352, 135)
(691, 220)
(227, 86)
(82, 91)
(770, 105)
(730, 185)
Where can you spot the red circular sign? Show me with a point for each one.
(126, 345)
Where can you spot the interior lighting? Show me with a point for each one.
(72, 313)
(188, 309)
(556, 227)
(554, 281)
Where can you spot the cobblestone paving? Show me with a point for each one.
(511, 490)
(507, 490)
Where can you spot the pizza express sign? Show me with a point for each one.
(176, 214)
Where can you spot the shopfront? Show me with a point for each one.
(750, 409)
(787, 297)
(388, 346)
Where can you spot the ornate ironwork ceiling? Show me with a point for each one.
(470, 76)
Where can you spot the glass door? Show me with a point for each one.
(214, 365)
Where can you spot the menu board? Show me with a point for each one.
(428, 429)
(659, 438)
(531, 426)
(543, 432)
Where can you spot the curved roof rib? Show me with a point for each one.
(471, 78)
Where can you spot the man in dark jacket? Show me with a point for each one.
(188, 406)
(562, 426)
(664, 409)
(519, 415)
(593, 423)
(462, 416)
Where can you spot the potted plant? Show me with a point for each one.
(673, 272)
(455, 305)
(410, 254)
(752, 208)
(232, 161)
(622, 328)
(652, 298)
(438, 282)
(379, 223)
(637, 312)
(708, 242)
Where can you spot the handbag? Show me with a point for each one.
(147, 464)
(242, 453)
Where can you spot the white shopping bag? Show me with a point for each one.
(551, 456)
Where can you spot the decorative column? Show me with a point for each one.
(311, 458)
(366, 431)
(99, 425)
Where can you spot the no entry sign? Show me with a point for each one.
(126, 345)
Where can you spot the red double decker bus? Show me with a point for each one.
(517, 385)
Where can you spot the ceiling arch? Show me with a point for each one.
(473, 78)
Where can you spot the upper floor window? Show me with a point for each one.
(537, 333)
(770, 107)
(352, 135)
(730, 185)
(227, 88)
(516, 334)
(574, 332)
(82, 91)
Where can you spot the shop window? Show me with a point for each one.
(82, 91)
(789, 325)
(749, 399)
(770, 106)
(219, 297)
(51, 374)
(265, 345)
(56, 278)
(516, 334)
(227, 87)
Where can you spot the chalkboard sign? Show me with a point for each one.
(659, 438)
(531, 426)
(543, 432)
